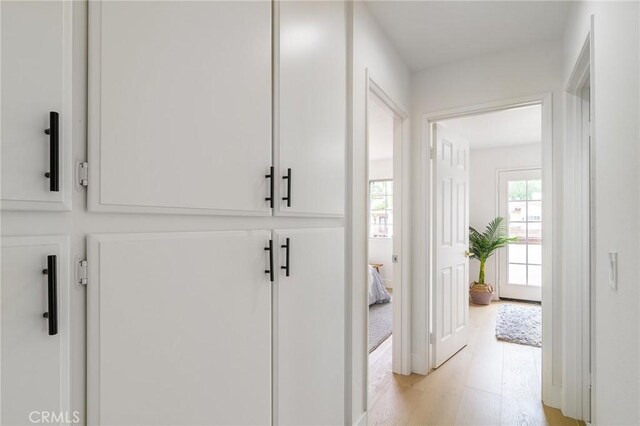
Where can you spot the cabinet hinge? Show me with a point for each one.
(82, 173)
(82, 276)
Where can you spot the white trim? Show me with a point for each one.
(401, 361)
(362, 421)
(550, 395)
(578, 244)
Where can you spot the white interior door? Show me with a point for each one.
(35, 358)
(180, 106)
(179, 329)
(36, 80)
(311, 107)
(309, 357)
(520, 264)
(451, 242)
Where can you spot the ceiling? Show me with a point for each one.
(380, 133)
(431, 33)
(517, 126)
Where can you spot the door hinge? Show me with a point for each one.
(431, 152)
(82, 174)
(430, 337)
(82, 276)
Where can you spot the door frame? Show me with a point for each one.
(401, 350)
(551, 394)
(579, 240)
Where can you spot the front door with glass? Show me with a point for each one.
(520, 264)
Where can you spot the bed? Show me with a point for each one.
(377, 292)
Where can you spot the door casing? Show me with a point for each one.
(551, 394)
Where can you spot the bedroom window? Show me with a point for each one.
(381, 208)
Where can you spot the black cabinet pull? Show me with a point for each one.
(271, 185)
(54, 152)
(270, 270)
(52, 293)
(287, 247)
(288, 197)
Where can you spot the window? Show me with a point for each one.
(524, 216)
(381, 208)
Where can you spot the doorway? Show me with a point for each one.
(386, 126)
(515, 154)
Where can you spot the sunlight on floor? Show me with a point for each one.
(489, 382)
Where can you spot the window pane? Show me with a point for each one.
(517, 274)
(389, 186)
(535, 233)
(535, 275)
(518, 230)
(377, 187)
(517, 190)
(534, 211)
(389, 231)
(534, 189)
(517, 253)
(517, 211)
(535, 254)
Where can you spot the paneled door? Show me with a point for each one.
(179, 329)
(311, 107)
(451, 243)
(35, 331)
(180, 107)
(36, 97)
(309, 308)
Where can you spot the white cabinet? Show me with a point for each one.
(310, 104)
(36, 80)
(309, 328)
(180, 107)
(35, 350)
(179, 329)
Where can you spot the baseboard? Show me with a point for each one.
(362, 421)
(553, 397)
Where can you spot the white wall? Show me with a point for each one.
(381, 249)
(372, 51)
(506, 75)
(483, 193)
(616, 115)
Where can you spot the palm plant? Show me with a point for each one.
(483, 245)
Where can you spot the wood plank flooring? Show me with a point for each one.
(489, 382)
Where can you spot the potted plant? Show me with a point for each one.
(482, 246)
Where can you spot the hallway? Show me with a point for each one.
(488, 382)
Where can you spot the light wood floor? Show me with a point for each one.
(489, 382)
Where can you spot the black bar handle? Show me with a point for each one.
(271, 187)
(287, 247)
(288, 197)
(54, 152)
(52, 293)
(270, 270)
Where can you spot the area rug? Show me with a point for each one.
(380, 324)
(520, 324)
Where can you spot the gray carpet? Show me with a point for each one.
(380, 324)
(520, 324)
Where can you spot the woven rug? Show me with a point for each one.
(380, 324)
(520, 324)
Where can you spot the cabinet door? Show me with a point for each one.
(309, 328)
(36, 80)
(311, 107)
(180, 107)
(35, 364)
(179, 329)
